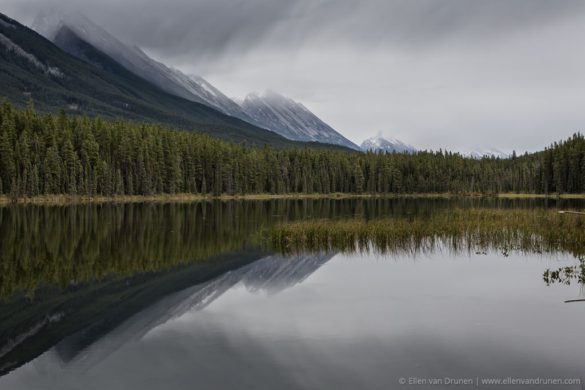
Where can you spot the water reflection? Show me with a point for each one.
(78, 244)
(90, 322)
(30, 327)
(271, 274)
(566, 275)
(354, 322)
(112, 288)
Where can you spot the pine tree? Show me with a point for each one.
(7, 163)
(52, 167)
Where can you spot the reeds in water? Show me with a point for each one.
(535, 231)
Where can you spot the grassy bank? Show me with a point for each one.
(172, 198)
(161, 198)
(540, 196)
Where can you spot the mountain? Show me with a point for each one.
(486, 153)
(291, 119)
(32, 67)
(381, 144)
(60, 27)
(52, 26)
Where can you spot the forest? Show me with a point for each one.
(43, 154)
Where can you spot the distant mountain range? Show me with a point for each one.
(481, 153)
(274, 112)
(388, 145)
(392, 145)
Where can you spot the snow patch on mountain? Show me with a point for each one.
(388, 145)
(19, 51)
(291, 119)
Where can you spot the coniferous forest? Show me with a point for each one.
(56, 154)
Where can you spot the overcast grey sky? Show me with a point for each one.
(455, 74)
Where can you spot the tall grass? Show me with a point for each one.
(539, 231)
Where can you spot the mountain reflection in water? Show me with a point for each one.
(90, 322)
(270, 274)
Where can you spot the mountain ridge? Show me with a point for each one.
(133, 58)
(291, 119)
(300, 123)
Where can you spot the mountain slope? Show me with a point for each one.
(381, 144)
(193, 88)
(31, 67)
(291, 119)
(306, 127)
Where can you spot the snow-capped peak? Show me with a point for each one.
(489, 152)
(389, 145)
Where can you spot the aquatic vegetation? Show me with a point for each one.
(566, 275)
(473, 230)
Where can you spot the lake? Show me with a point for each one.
(184, 296)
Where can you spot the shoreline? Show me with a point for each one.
(50, 200)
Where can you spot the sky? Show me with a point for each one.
(438, 74)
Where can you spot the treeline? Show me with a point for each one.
(57, 154)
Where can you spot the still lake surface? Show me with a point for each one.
(181, 296)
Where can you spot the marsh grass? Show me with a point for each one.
(472, 230)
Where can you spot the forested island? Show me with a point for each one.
(48, 154)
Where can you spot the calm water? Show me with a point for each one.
(182, 297)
